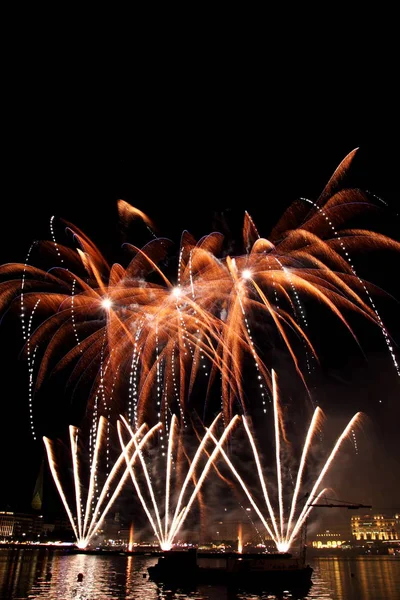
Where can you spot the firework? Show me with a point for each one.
(131, 534)
(283, 528)
(167, 522)
(87, 517)
(154, 338)
(240, 539)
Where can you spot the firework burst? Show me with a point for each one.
(154, 337)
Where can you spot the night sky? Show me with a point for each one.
(203, 180)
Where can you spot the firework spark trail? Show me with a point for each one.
(73, 436)
(92, 518)
(96, 524)
(166, 532)
(317, 416)
(136, 483)
(241, 290)
(261, 478)
(201, 448)
(145, 472)
(169, 466)
(287, 534)
(53, 470)
(277, 447)
(93, 470)
(277, 317)
(339, 441)
(31, 362)
(166, 539)
(96, 521)
(246, 491)
(179, 522)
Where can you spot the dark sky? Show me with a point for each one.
(199, 178)
(180, 183)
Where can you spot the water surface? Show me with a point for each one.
(53, 575)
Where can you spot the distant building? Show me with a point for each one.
(328, 539)
(334, 536)
(375, 528)
(20, 525)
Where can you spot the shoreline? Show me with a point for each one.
(311, 555)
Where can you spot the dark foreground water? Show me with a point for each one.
(23, 575)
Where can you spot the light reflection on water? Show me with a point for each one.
(24, 574)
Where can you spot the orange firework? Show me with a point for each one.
(149, 339)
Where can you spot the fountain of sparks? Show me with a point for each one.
(240, 539)
(130, 543)
(168, 523)
(284, 526)
(87, 517)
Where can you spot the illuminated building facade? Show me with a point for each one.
(375, 528)
(328, 539)
(16, 525)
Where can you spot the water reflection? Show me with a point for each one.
(363, 577)
(35, 574)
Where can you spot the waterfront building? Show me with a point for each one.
(20, 526)
(329, 539)
(377, 527)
